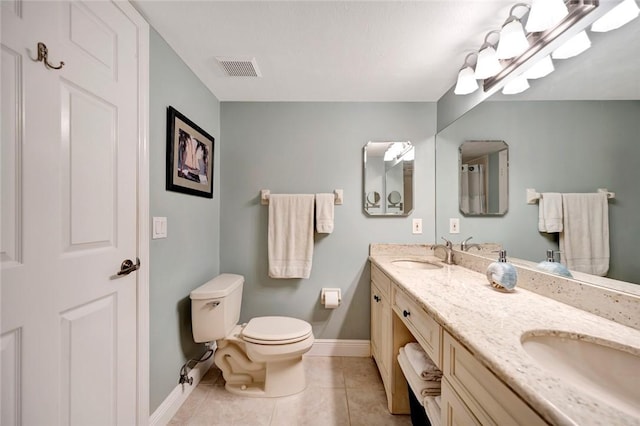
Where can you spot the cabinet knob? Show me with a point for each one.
(405, 313)
(376, 298)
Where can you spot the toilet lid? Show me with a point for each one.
(276, 330)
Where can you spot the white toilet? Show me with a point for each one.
(260, 358)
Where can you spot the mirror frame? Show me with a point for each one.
(501, 211)
(406, 203)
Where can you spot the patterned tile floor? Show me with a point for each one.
(340, 391)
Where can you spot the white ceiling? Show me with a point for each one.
(358, 50)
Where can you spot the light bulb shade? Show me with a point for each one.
(623, 13)
(488, 64)
(517, 85)
(466, 82)
(573, 47)
(545, 14)
(513, 41)
(540, 69)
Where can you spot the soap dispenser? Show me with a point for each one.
(501, 274)
(550, 265)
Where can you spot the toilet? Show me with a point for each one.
(262, 358)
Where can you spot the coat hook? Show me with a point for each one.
(43, 52)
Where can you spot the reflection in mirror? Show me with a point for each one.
(483, 178)
(570, 132)
(388, 178)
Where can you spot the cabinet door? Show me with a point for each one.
(376, 319)
(453, 410)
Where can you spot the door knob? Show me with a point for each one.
(128, 267)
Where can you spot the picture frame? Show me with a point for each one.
(190, 156)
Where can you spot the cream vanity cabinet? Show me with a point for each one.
(471, 393)
(387, 336)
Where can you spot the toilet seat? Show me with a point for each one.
(276, 330)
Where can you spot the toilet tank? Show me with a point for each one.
(215, 307)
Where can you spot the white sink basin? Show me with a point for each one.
(416, 264)
(600, 368)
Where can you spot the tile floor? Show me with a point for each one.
(340, 391)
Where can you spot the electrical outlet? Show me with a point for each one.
(454, 225)
(417, 226)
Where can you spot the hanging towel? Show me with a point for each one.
(550, 212)
(584, 242)
(290, 235)
(324, 213)
(421, 363)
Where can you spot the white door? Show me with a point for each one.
(69, 214)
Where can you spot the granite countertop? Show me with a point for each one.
(490, 324)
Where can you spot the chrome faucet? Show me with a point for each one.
(464, 246)
(448, 247)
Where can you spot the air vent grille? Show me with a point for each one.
(239, 67)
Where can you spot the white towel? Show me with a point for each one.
(550, 212)
(432, 408)
(421, 363)
(290, 235)
(324, 213)
(584, 243)
(420, 388)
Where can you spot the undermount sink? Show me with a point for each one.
(416, 264)
(599, 368)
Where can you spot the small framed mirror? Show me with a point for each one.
(483, 175)
(388, 178)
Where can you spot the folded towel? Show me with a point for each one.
(432, 408)
(420, 388)
(438, 399)
(324, 213)
(421, 363)
(290, 235)
(584, 243)
(502, 275)
(550, 212)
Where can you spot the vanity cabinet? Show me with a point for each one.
(381, 322)
(472, 392)
(388, 335)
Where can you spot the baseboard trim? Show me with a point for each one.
(172, 403)
(337, 347)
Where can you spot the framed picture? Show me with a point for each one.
(189, 156)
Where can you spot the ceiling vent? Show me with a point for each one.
(239, 67)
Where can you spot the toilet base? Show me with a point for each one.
(282, 378)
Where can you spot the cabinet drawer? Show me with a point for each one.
(424, 328)
(490, 400)
(382, 281)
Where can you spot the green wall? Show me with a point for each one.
(307, 148)
(190, 255)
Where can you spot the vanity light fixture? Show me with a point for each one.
(488, 63)
(513, 40)
(623, 13)
(466, 78)
(542, 68)
(573, 47)
(538, 41)
(517, 85)
(545, 14)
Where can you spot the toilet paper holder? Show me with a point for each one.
(326, 291)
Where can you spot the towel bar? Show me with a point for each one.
(533, 196)
(265, 193)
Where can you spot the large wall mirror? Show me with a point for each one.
(483, 176)
(575, 130)
(388, 178)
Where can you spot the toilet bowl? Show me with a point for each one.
(260, 358)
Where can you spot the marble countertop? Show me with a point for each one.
(490, 324)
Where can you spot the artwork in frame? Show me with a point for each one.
(189, 156)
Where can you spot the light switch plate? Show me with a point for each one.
(159, 228)
(416, 226)
(454, 225)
